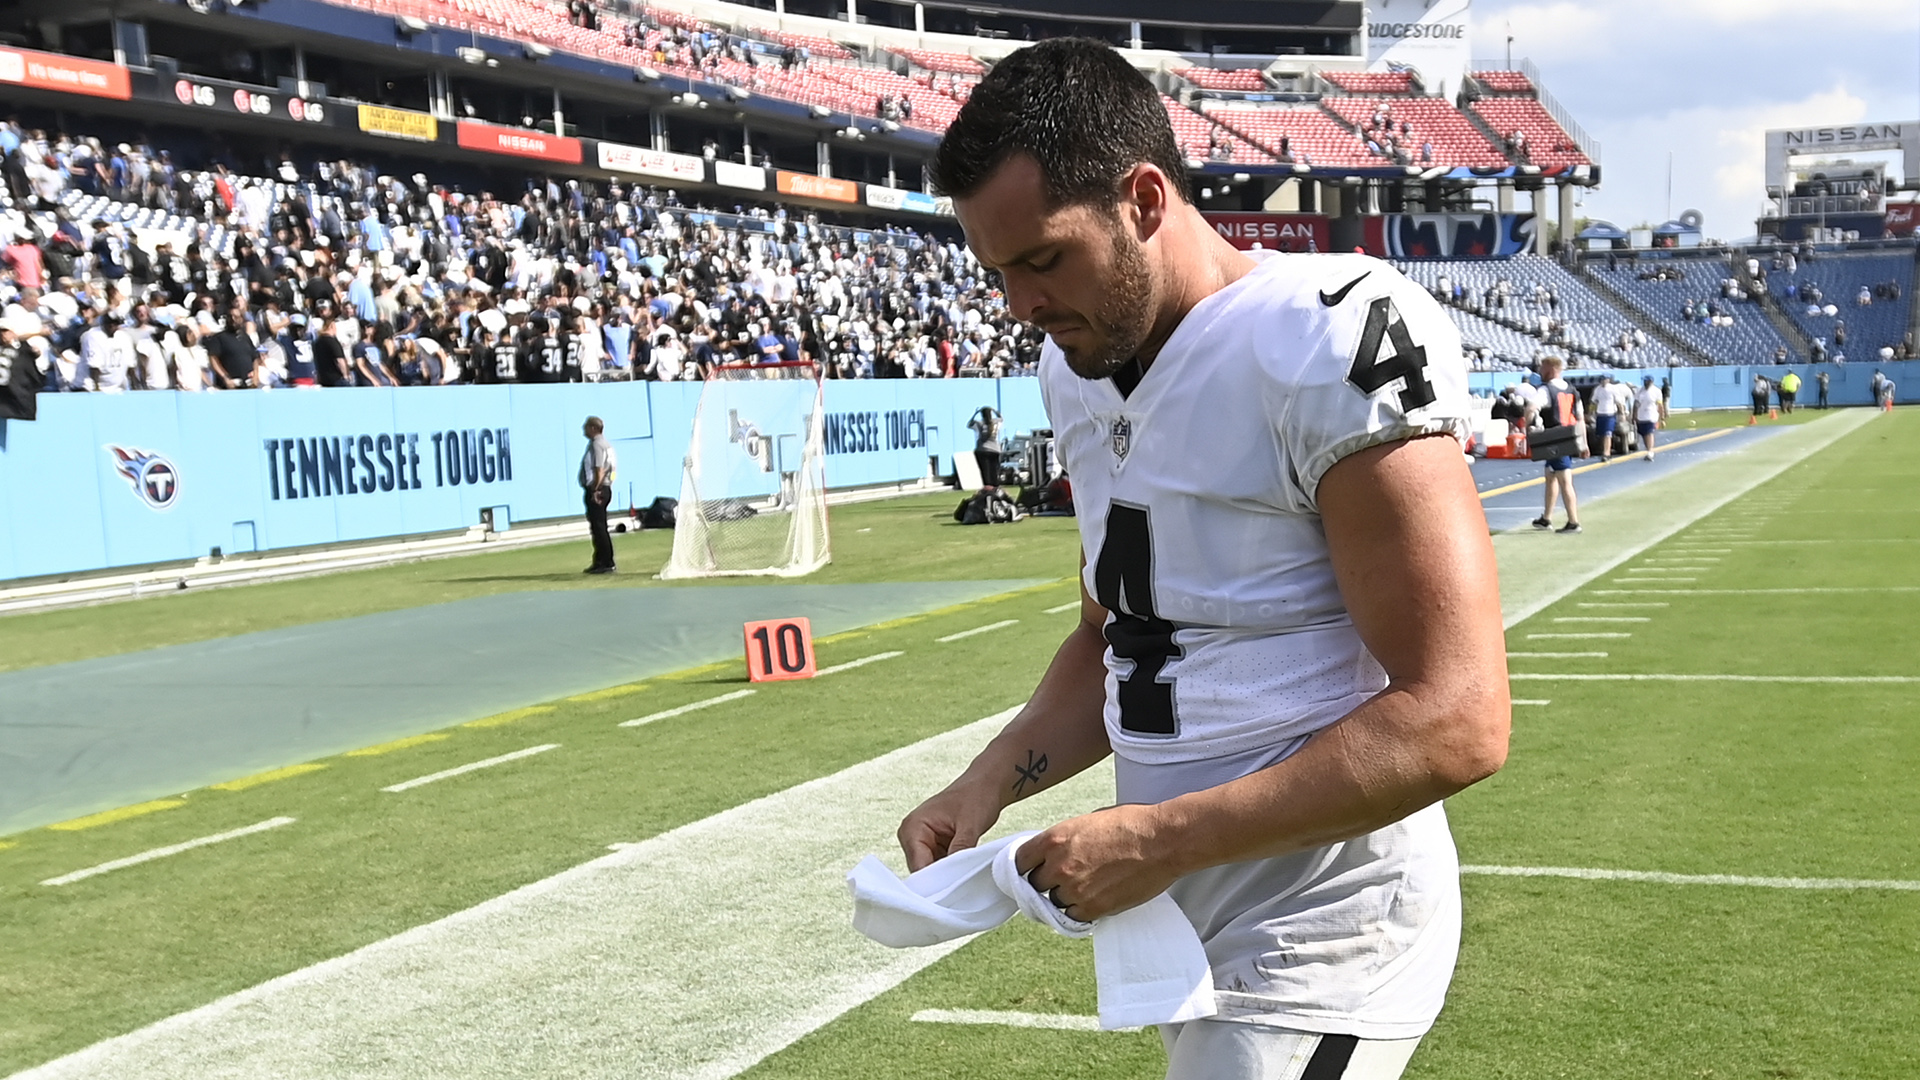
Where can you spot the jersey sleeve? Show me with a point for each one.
(1387, 366)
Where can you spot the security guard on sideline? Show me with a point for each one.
(596, 480)
(1789, 388)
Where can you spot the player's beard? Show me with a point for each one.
(1125, 315)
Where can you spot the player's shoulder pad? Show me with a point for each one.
(1321, 306)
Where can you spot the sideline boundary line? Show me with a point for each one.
(1577, 470)
(1660, 878)
(1536, 676)
(1044, 1021)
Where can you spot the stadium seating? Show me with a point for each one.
(822, 47)
(1194, 132)
(1839, 278)
(1242, 79)
(953, 63)
(1504, 82)
(1749, 339)
(1370, 82)
(1547, 144)
(1312, 137)
(801, 84)
(1455, 140)
(1515, 291)
(932, 109)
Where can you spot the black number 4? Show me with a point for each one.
(1123, 583)
(1374, 367)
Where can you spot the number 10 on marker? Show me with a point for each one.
(779, 649)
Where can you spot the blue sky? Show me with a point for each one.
(1705, 79)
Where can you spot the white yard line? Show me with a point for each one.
(682, 710)
(1627, 604)
(458, 770)
(170, 849)
(1807, 589)
(1602, 618)
(637, 965)
(1659, 878)
(1654, 581)
(1536, 676)
(1532, 701)
(862, 662)
(1047, 1021)
(1596, 634)
(1061, 608)
(1001, 625)
(1556, 656)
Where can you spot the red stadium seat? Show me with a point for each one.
(1243, 79)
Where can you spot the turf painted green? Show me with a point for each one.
(1558, 978)
(1586, 979)
(909, 539)
(114, 952)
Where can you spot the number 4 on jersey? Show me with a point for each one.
(1374, 366)
(1123, 583)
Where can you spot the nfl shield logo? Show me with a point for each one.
(1122, 437)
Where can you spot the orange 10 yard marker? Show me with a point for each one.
(779, 649)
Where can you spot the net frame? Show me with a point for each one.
(701, 541)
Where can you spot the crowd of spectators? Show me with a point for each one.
(1384, 137)
(332, 274)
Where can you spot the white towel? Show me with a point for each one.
(1149, 964)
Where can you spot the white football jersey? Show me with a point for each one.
(1229, 643)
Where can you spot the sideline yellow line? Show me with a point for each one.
(268, 777)
(509, 717)
(1605, 464)
(5, 844)
(108, 817)
(397, 744)
(610, 692)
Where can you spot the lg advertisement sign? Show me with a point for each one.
(1431, 36)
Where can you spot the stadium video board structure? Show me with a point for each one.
(1821, 193)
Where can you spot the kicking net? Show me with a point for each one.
(753, 487)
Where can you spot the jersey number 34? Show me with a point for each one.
(1375, 364)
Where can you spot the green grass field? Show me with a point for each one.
(1558, 977)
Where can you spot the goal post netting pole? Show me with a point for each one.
(753, 496)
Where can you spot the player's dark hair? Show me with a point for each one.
(1077, 108)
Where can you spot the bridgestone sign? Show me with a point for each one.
(1433, 37)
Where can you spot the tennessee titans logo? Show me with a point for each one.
(152, 476)
(747, 434)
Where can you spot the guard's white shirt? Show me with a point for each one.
(1646, 404)
(1230, 644)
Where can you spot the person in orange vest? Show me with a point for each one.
(1562, 409)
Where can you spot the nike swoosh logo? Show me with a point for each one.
(1335, 298)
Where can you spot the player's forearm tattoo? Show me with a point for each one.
(1029, 773)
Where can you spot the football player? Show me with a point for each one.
(1290, 633)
